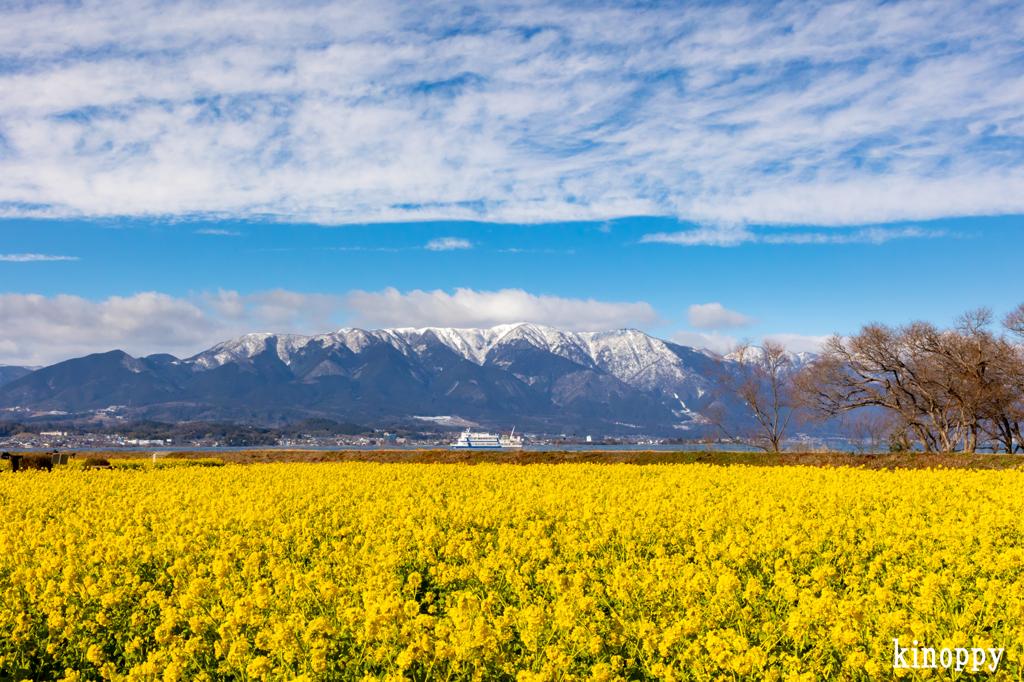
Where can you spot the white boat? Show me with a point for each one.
(513, 441)
(487, 441)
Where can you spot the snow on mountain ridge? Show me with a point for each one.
(756, 353)
(244, 348)
(627, 354)
(632, 356)
(471, 344)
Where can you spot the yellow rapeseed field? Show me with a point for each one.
(539, 573)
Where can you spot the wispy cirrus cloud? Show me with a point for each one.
(792, 112)
(736, 235)
(448, 244)
(358, 248)
(870, 235)
(32, 257)
(218, 231)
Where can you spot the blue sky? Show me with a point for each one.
(174, 173)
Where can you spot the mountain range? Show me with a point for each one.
(533, 377)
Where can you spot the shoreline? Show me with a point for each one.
(887, 461)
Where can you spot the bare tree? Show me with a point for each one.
(1007, 412)
(1005, 415)
(974, 371)
(759, 379)
(953, 389)
(899, 437)
(879, 367)
(1014, 322)
(867, 431)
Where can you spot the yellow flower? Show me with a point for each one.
(259, 667)
(574, 572)
(95, 655)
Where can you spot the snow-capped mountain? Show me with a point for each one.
(631, 356)
(756, 354)
(537, 377)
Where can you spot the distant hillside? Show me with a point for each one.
(229, 434)
(9, 373)
(317, 426)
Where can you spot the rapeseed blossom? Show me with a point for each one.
(536, 574)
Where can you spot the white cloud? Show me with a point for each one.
(870, 235)
(703, 236)
(798, 343)
(722, 343)
(38, 330)
(734, 236)
(797, 112)
(448, 244)
(716, 316)
(32, 257)
(213, 230)
(469, 308)
(358, 248)
(715, 341)
(275, 311)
